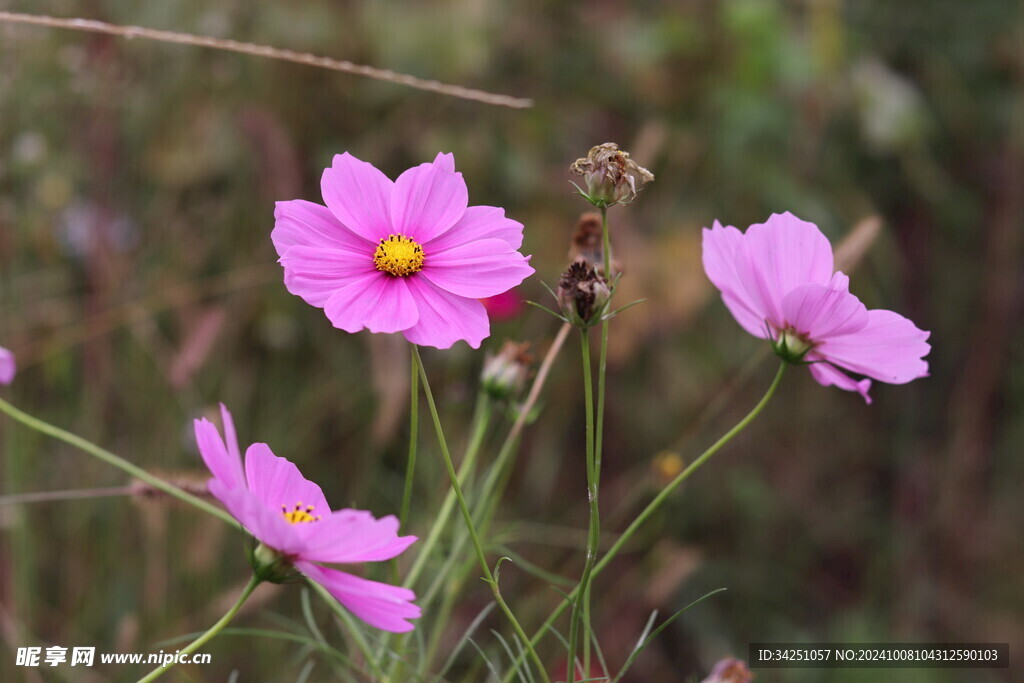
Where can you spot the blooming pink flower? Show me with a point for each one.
(289, 514)
(406, 256)
(777, 279)
(7, 366)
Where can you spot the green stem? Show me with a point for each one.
(467, 517)
(203, 639)
(117, 461)
(653, 506)
(481, 420)
(599, 435)
(410, 465)
(579, 606)
(414, 421)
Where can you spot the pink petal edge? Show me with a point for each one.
(427, 200)
(380, 605)
(359, 196)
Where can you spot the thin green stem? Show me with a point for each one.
(607, 244)
(203, 639)
(653, 506)
(579, 607)
(599, 435)
(410, 465)
(414, 421)
(481, 420)
(117, 461)
(468, 518)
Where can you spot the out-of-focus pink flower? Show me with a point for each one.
(406, 256)
(504, 306)
(729, 670)
(777, 279)
(7, 366)
(290, 516)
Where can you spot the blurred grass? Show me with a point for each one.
(138, 288)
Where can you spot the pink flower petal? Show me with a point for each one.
(378, 604)
(889, 348)
(820, 312)
(378, 302)
(478, 223)
(265, 524)
(719, 254)
(446, 318)
(8, 366)
(445, 162)
(222, 461)
(427, 200)
(316, 273)
(302, 222)
(477, 269)
(349, 536)
(278, 484)
(359, 196)
(826, 375)
(779, 255)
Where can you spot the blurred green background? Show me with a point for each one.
(138, 287)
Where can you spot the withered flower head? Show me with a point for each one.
(583, 294)
(505, 374)
(611, 176)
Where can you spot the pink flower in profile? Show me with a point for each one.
(777, 280)
(7, 366)
(406, 256)
(289, 515)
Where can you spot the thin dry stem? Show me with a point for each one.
(269, 52)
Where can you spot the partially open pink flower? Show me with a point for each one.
(406, 256)
(777, 279)
(7, 366)
(289, 514)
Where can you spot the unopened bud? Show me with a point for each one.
(610, 176)
(583, 294)
(505, 374)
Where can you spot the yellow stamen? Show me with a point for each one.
(398, 255)
(299, 514)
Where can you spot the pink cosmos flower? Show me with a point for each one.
(289, 514)
(7, 366)
(406, 256)
(778, 282)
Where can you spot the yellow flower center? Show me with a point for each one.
(299, 514)
(398, 255)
